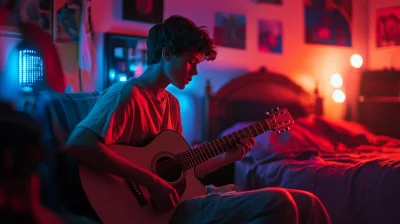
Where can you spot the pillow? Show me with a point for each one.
(344, 132)
(59, 113)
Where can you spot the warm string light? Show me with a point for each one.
(336, 80)
(338, 96)
(356, 61)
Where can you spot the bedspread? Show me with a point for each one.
(355, 188)
(355, 173)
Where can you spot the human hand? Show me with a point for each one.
(242, 148)
(163, 196)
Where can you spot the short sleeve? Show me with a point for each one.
(109, 116)
(179, 125)
(178, 121)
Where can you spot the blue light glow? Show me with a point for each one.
(30, 69)
(122, 78)
(112, 74)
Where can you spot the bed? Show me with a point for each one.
(355, 173)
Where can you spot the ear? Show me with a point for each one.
(167, 54)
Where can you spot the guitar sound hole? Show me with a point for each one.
(168, 169)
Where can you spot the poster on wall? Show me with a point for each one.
(126, 57)
(15, 17)
(147, 11)
(270, 36)
(35, 11)
(387, 29)
(275, 2)
(67, 20)
(328, 22)
(230, 30)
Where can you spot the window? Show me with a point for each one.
(30, 68)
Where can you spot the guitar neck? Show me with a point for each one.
(204, 152)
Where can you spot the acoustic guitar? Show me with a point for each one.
(169, 156)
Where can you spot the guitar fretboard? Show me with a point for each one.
(204, 152)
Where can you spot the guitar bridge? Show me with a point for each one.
(138, 193)
(180, 187)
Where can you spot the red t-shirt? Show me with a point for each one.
(128, 113)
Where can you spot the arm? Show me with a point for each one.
(111, 121)
(222, 160)
(105, 124)
(88, 148)
(226, 158)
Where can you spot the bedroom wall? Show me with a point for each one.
(303, 63)
(9, 40)
(380, 58)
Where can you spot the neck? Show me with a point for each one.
(204, 152)
(155, 80)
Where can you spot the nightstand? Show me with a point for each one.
(379, 102)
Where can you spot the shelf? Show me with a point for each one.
(10, 32)
(380, 99)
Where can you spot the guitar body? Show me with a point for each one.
(168, 156)
(117, 201)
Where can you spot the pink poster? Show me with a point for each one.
(387, 29)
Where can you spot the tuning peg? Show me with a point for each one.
(275, 109)
(287, 128)
(266, 113)
(279, 132)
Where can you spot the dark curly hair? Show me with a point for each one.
(180, 34)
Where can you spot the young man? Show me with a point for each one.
(135, 111)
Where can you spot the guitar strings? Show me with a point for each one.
(201, 156)
(188, 159)
(196, 153)
(208, 149)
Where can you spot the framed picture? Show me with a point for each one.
(125, 57)
(67, 20)
(270, 36)
(15, 17)
(387, 29)
(230, 30)
(147, 11)
(328, 22)
(36, 11)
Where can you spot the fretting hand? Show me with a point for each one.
(240, 150)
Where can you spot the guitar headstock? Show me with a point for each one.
(279, 120)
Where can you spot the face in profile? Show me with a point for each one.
(181, 69)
